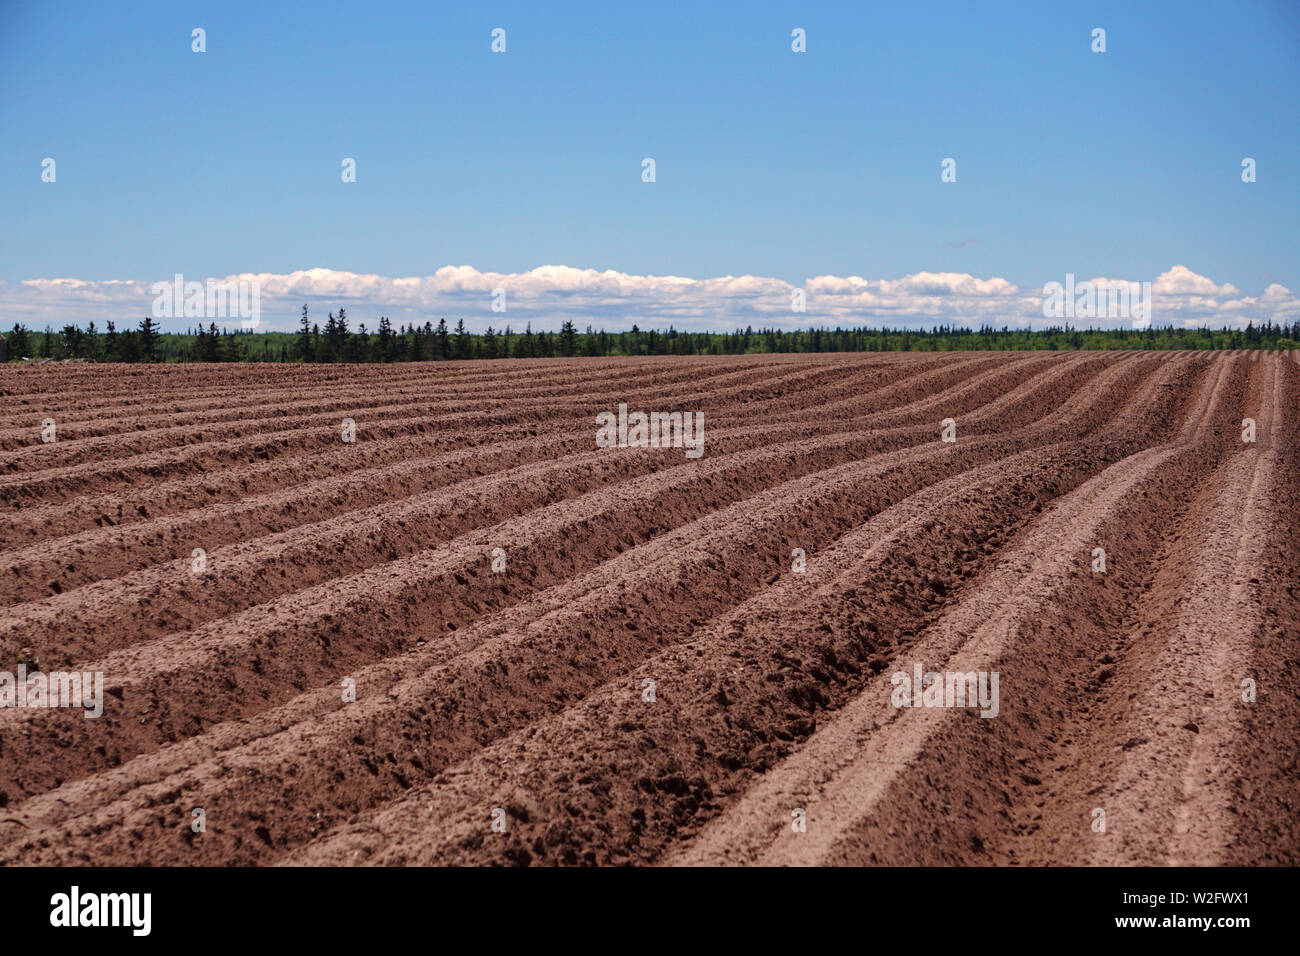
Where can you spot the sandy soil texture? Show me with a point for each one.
(684, 661)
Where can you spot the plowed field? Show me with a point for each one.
(472, 636)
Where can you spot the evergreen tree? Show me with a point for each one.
(384, 345)
(70, 338)
(232, 349)
(358, 344)
(339, 342)
(148, 343)
(303, 345)
(326, 350)
(464, 344)
(19, 345)
(442, 342)
(527, 347)
(569, 339)
(128, 346)
(112, 351)
(210, 348)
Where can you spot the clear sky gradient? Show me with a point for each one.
(769, 163)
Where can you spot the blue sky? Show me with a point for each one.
(770, 164)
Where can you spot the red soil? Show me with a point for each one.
(523, 690)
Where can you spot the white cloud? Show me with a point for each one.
(612, 300)
(1181, 280)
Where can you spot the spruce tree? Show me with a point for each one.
(442, 341)
(148, 342)
(464, 344)
(303, 344)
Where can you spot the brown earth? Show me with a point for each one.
(523, 698)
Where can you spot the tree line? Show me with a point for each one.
(337, 342)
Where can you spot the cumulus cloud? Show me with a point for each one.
(549, 294)
(1181, 280)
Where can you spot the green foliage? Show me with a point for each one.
(414, 343)
(148, 339)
